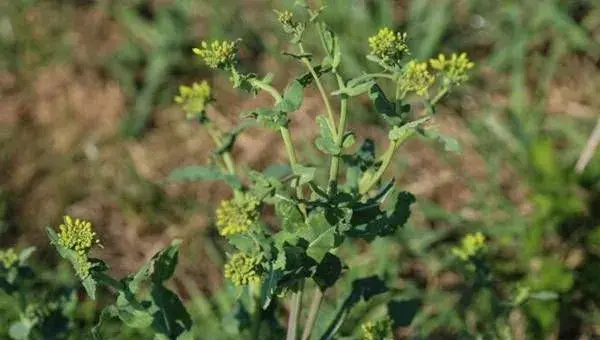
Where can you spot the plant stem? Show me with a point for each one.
(295, 314)
(386, 159)
(312, 313)
(308, 65)
(216, 137)
(285, 135)
(335, 160)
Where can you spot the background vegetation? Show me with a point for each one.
(88, 127)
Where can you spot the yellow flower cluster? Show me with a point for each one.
(8, 257)
(454, 68)
(380, 330)
(417, 77)
(471, 245)
(193, 99)
(388, 46)
(79, 236)
(237, 215)
(243, 269)
(217, 54)
(285, 18)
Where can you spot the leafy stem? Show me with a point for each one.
(335, 160)
(328, 108)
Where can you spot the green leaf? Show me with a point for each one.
(356, 89)
(20, 329)
(362, 289)
(292, 97)
(348, 140)
(307, 78)
(544, 296)
(203, 173)
(325, 142)
(165, 262)
(269, 286)
(305, 173)
(25, 254)
(321, 235)
(450, 144)
(291, 217)
(171, 319)
(268, 117)
(331, 44)
(401, 133)
(402, 312)
(328, 271)
(107, 313)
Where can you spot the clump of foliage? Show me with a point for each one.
(320, 207)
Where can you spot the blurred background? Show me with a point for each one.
(88, 127)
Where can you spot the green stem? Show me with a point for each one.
(335, 160)
(216, 137)
(386, 159)
(285, 135)
(321, 89)
(312, 313)
(295, 314)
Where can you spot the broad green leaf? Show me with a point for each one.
(203, 173)
(291, 218)
(305, 173)
(348, 140)
(328, 271)
(321, 235)
(292, 97)
(20, 330)
(402, 312)
(171, 318)
(325, 142)
(165, 262)
(269, 286)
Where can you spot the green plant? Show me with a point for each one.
(320, 208)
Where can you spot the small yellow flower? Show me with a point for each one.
(470, 246)
(388, 46)
(454, 68)
(243, 269)
(217, 54)
(8, 257)
(237, 215)
(193, 99)
(380, 330)
(417, 78)
(79, 236)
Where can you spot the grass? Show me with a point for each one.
(523, 125)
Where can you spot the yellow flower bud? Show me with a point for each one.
(193, 99)
(217, 54)
(417, 78)
(470, 246)
(237, 215)
(388, 46)
(243, 269)
(79, 236)
(454, 69)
